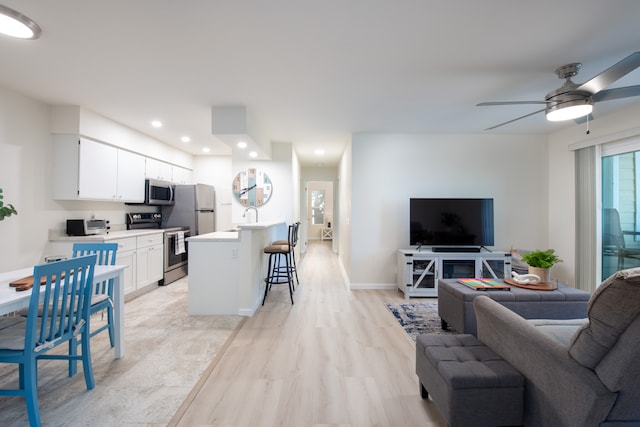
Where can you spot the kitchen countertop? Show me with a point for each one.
(217, 236)
(103, 237)
(232, 235)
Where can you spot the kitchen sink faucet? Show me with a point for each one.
(250, 207)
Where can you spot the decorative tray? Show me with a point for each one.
(537, 287)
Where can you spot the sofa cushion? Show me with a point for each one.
(614, 305)
(561, 331)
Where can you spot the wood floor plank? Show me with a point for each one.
(334, 358)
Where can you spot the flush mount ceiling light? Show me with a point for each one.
(319, 152)
(242, 145)
(185, 139)
(15, 24)
(156, 123)
(567, 103)
(568, 110)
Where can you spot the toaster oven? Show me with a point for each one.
(87, 227)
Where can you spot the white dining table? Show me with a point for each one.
(12, 300)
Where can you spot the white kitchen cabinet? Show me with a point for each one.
(89, 170)
(130, 177)
(126, 255)
(142, 253)
(181, 175)
(155, 169)
(149, 259)
(97, 170)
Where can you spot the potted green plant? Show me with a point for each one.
(540, 263)
(6, 210)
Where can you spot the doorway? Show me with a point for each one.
(320, 209)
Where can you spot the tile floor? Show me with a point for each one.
(166, 353)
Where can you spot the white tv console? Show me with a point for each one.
(420, 270)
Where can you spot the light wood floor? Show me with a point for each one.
(334, 358)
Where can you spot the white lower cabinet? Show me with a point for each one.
(149, 259)
(128, 258)
(143, 256)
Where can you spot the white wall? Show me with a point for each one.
(387, 170)
(280, 206)
(344, 211)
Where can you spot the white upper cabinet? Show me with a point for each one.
(155, 169)
(98, 171)
(130, 177)
(181, 175)
(89, 170)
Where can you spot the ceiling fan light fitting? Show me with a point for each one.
(15, 24)
(569, 110)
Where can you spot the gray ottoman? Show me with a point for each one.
(469, 383)
(455, 304)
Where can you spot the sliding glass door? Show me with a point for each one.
(620, 209)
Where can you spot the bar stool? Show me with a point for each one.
(276, 274)
(292, 241)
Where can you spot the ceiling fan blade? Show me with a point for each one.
(617, 93)
(511, 121)
(485, 104)
(610, 75)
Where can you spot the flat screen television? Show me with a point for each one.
(457, 223)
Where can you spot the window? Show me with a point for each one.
(317, 207)
(620, 209)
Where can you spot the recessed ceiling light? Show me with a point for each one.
(242, 144)
(15, 24)
(156, 124)
(253, 154)
(206, 149)
(185, 139)
(319, 152)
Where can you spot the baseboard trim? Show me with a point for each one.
(374, 286)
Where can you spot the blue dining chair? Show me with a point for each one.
(102, 295)
(58, 313)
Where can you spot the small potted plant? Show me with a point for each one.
(6, 210)
(540, 263)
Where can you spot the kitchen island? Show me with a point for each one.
(227, 268)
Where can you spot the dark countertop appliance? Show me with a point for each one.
(176, 248)
(87, 227)
(194, 207)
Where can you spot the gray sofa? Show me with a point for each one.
(577, 372)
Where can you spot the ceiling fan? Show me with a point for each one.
(573, 101)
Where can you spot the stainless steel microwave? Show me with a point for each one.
(158, 193)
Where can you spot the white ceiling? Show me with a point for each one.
(314, 72)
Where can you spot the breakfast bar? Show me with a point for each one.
(227, 268)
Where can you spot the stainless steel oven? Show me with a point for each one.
(176, 254)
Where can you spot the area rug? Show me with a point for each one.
(419, 318)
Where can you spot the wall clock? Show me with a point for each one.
(252, 187)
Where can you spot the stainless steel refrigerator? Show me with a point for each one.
(194, 207)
